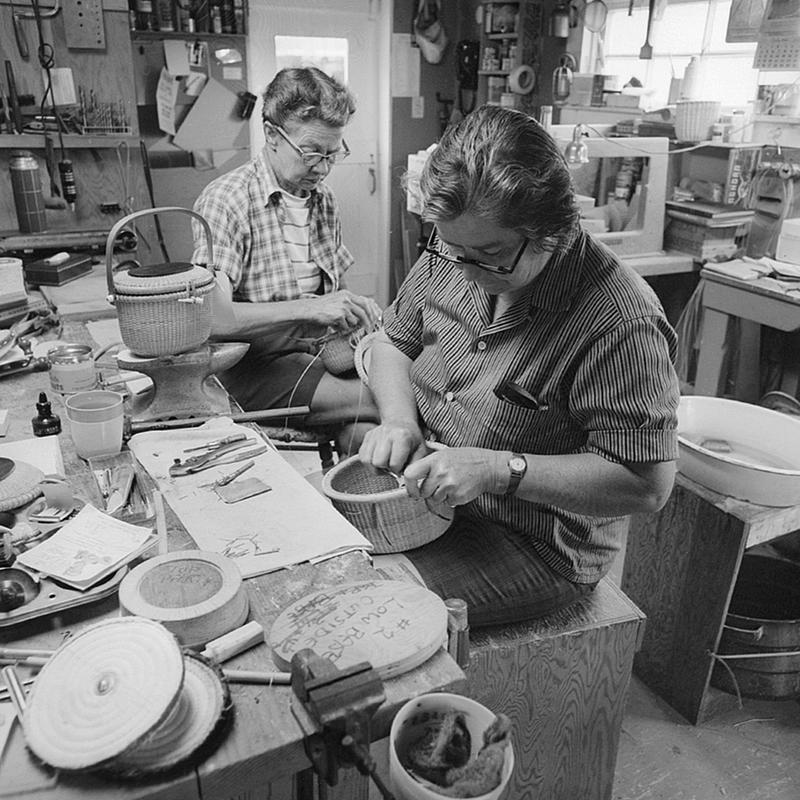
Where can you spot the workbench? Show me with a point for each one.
(681, 565)
(262, 754)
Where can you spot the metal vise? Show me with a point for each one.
(341, 703)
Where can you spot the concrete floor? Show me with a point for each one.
(752, 753)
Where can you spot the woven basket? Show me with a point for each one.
(338, 352)
(694, 118)
(164, 309)
(378, 505)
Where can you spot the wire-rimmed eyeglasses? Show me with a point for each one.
(311, 159)
(460, 261)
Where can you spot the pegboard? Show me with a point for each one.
(83, 24)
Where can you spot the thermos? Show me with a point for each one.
(26, 184)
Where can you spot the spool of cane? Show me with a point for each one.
(122, 697)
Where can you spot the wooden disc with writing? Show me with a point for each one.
(393, 625)
(102, 692)
(195, 594)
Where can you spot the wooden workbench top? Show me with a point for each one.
(264, 742)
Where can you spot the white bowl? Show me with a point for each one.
(741, 450)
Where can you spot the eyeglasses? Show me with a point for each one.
(312, 159)
(460, 261)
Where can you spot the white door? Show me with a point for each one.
(361, 182)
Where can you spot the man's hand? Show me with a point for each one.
(455, 475)
(392, 445)
(345, 311)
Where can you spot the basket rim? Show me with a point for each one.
(334, 494)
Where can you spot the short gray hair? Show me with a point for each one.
(307, 93)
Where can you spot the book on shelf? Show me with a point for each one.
(88, 548)
(712, 215)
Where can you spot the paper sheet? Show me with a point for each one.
(166, 94)
(176, 56)
(89, 547)
(288, 525)
(405, 66)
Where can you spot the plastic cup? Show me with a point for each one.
(411, 722)
(95, 421)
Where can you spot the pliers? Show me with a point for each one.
(220, 454)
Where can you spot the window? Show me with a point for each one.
(327, 53)
(685, 29)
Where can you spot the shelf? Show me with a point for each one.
(502, 73)
(72, 141)
(150, 36)
(502, 36)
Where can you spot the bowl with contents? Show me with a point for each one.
(446, 745)
(739, 449)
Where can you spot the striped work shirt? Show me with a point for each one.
(588, 340)
(246, 213)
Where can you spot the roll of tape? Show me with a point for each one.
(522, 79)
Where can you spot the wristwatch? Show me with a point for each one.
(517, 466)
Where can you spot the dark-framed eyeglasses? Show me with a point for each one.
(311, 159)
(435, 245)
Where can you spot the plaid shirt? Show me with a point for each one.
(245, 211)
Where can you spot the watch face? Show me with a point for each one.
(517, 464)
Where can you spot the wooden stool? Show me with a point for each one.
(563, 680)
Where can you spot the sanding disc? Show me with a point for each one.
(393, 625)
(196, 595)
(103, 692)
(201, 710)
(19, 484)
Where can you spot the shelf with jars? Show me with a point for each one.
(509, 39)
(176, 18)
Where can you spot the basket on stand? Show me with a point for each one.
(694, 118)
(377, 504)
(163, 309)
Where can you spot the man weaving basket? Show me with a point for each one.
(541, 361)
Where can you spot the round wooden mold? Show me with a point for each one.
(103, 692)
(196, 595)
(395, 626)
(203, 708)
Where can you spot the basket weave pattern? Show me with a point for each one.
(338, 352)
(374, 503)
(694, 118)
(158, 324)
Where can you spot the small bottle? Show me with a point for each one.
(46, 423)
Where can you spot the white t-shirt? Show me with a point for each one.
(295, 234)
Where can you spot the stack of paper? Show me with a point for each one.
(89, 548)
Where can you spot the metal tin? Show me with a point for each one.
(72, 368)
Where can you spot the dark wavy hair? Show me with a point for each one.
(501, 164)
(307, 93)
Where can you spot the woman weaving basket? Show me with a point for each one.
(544, 365)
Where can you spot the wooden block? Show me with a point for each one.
(563, 680)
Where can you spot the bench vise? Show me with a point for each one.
(341, 704)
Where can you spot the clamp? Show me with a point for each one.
(341, 704)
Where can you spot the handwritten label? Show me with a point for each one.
(384, 622)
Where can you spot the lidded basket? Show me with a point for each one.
(377, 504)
(163, 309)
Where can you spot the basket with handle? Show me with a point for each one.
(163, 309)
(377, 504)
